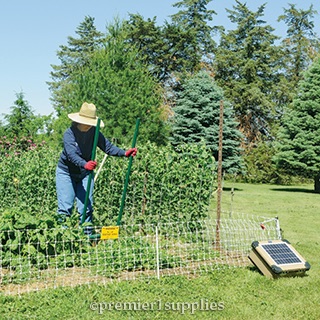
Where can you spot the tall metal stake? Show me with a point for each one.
(219, 191)
(93, 156)
(128, 174)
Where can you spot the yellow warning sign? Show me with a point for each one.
(110, 233)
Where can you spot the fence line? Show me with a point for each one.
(32, 260)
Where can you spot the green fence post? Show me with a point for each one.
(93, 156)
(124, 193)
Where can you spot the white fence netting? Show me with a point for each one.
(34, 259)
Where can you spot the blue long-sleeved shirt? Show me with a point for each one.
(78, 149)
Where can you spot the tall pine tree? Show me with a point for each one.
(301, 43)
(19, 123)
(299, 138)
(73, 56)
(118, 82)
(183, 45)
(194, 18)
(247, 68)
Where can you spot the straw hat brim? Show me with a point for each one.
(76, 117)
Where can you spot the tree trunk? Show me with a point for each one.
(317, 183)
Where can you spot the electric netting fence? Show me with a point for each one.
(168, 225)
(40, 259)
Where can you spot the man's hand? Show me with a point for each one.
(90, 165)
(131, 152)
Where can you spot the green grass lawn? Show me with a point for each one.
(241, 293)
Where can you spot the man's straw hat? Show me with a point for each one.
(87, 115)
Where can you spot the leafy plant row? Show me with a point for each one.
(166, 184)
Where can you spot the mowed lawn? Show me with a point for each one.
(235, 293)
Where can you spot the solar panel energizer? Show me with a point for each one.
(277, 258)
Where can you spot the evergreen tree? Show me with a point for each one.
(194, 18)
(184, 45)
(72, 57)
(149, 39)
(299, 138)
(21, 122)
(117, 81)
(196, 119)
(248, 69)
(301, 43)
(178, 48)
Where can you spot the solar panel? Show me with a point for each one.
(276, 258)
(281, 253)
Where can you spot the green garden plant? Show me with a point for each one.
(166, 185)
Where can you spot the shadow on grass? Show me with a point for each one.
(254, 268)
(230, 189)
(303, 190)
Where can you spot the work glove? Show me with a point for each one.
(90, 165)
(131, 152)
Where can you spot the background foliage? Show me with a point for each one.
(137, 67)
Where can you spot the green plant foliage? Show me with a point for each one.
(27, 178)
(301, 43)
(182, 45)
(194, 17)
(22, 125)
(165, 185)
(261, 167)
(72, 56)
(123, 90)
(20, 122)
